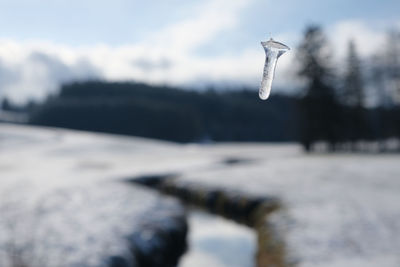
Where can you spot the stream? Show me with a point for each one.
(218, 242)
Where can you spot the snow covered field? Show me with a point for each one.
(58, 189)
(60, 202)
(339, 209)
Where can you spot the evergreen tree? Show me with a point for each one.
(353, 94)
(353, 97)
(6, 105)
(392, 116)
(320, 110)
(392, 59)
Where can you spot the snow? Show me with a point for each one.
(61, 186)
(59, 206)
(339, 210)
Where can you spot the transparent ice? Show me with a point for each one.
(273, 50)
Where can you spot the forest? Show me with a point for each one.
(169, 113)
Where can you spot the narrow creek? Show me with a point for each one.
(218, 242)
(226, 228)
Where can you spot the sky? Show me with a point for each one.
(188, 43)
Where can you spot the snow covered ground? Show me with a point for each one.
(60, 187)
(339, 209)
(61, 204)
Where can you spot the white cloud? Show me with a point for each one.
(367, 38)
(31, 69)
(212, 18)
(27, 71)
(167, 56)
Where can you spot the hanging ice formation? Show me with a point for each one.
(273, 50)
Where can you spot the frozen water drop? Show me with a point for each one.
(273, 50)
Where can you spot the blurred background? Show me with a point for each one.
(172, 86)
(189, 72)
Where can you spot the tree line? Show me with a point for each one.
(352, 109)
(169, 113)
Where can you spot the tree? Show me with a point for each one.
(353, 97)
(393, 82)
(320, 110)
(353, 93)
(393, 63)
(6, 105)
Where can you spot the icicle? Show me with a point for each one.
(273, 50)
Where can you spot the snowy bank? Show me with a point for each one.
(60, 207)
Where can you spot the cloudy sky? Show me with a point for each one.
(44, 43)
